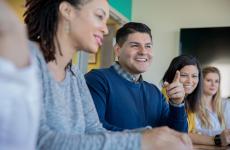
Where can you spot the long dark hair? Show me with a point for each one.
(192, 101)
(41, 18)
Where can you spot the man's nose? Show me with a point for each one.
(142, 49)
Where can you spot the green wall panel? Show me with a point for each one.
(123, 6)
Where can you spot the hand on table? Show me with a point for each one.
(164, 138)
(225, 137)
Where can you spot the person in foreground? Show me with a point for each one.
(122, 98)
(19, 91)
(210, 121)
(69, 119)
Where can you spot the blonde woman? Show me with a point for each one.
(210, 122)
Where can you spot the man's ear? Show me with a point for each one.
(65, 10)
(117, 50)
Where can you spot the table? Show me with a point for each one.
(206, 147)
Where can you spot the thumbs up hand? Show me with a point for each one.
(175, 90)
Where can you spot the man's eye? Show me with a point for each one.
(148, 46)
(134, 45)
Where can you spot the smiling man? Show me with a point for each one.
(123, 99)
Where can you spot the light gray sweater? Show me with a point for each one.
(19, 106)
(69, 120)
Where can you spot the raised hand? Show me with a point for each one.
(175, 90)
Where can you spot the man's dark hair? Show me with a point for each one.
(129, 28)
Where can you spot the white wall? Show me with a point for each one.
(165, 18)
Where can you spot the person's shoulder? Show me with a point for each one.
(226, 102)
(76, 70)
(102, 70)
(36, 52)
(99, 75)
(37, 57)
(76, 76)
(34, 48)
(226, 105)
(94, 72)
(98, 72)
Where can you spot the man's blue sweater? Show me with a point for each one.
(122, 104)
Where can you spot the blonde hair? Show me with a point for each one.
(216, 102)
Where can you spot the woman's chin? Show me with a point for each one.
(93, 49)
(90, 50)
(187, 92)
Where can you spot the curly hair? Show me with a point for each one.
(41, 18)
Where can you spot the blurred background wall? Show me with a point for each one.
(167, 17)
